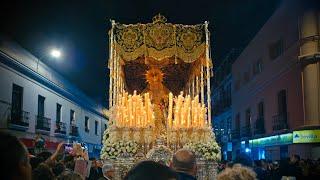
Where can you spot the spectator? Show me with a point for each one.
(237, 172)
(14, 158)
(44, 155)
(108, 172)
(275, 171)
(184, 163)
(150, 170)
(58, 168)
(95, 170)
(69, 175)
(35, 161)
(69, 162)
(294, 169)
(259, 170)
(42, 172)
(53, 157)
(283, 168)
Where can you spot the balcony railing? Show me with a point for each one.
(20, 118)
(74, 130)
(43, 123)
(235, 134)
(246, 131)
(60, 128)
(259, 126)
(280, 122)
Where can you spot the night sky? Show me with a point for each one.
(79, 29)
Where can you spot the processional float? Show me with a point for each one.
(159, 95)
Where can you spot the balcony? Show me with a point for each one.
(18, 120)
(259, 126)
(235, 134)
(280, 122)
(74, 130)
(43, 123)
(60, 128)
(246, 131)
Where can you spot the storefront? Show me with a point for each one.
(271, 148)
(306, 143)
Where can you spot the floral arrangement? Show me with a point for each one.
(114, 147)
(112, 150)
(209, 151)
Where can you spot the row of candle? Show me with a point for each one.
(186, 113)
(134, 111)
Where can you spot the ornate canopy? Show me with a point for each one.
(180, 52)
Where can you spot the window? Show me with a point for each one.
(248, 117)
(229, 128)
(16, 103)
(41, 100)
(257, 68)
(276, 49)
(72, 117)
(246, 77)
(86, 123)
(96, 127)
(237, 123)
(237, 84)
(228, 95)
(261, 110)
(58, 113)
(282, 102)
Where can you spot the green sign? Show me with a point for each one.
(281, 139)
(306, 136)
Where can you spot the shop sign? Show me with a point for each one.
(306, 136)
(276, 140)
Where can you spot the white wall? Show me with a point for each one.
(31, 90)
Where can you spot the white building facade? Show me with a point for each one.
(34, 99)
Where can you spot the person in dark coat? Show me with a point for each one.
(184, 163)
(259, 170)
(95, 171)
(294, 168)
(150, 170)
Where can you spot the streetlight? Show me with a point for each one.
(55, 53)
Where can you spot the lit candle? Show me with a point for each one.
(150, 115)
(130, 110)
(134, 110)
(170, 110)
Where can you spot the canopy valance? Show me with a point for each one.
(160, 40)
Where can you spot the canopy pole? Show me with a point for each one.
(175, 44)
(208, 73)
(111, 48)
(202, 85)
(197, 85)
(193, 89)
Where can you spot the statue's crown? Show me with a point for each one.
(159, 19)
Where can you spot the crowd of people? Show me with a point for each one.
(19, 164)
(274, 170)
